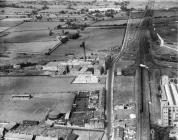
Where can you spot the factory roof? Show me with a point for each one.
(171, 93)
(72, 136)
(104, 9)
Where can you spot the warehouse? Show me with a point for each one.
(54, 66)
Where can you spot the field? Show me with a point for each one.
(124, 90)
(9, 10)
(3, 29)
(96, 41)
(110, 22)
(36, 108)
(158, 4)
(170, 32)
(31, 37)
(27, 26)
(29, 48)
(48, 93)
(9, 23)
(41, 84)
(165, 13)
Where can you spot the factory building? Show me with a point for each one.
(104, 9)
(169, 102)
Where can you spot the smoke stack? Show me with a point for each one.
(83, 46)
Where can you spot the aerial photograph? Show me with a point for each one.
(88, 70)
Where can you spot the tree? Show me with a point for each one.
(45, 7)
(124, 5)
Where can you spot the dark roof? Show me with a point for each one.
(72, 136)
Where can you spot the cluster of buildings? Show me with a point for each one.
(169, 101)
(88, 110)
(85, 71)
(32, 130)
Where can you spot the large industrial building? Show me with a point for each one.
(169, 101)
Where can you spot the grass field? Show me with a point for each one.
(41, 84)
(9, 23)
(96, 40)
(158, 4)
(36, 108)
(109, 22)
(27, 26)
(31, 37)
(10, 10)
(29, 48)
(34, 37)
(170, 32)
(27, 36)
(48, 93)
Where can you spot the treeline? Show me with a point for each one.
(11, 5)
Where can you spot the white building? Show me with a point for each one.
(86, 79)
(104, 9)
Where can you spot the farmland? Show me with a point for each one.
(33, 37)
(96, 40)
(40, 84)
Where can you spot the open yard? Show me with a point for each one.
(124, 90)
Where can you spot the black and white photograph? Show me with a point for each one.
(88, 69)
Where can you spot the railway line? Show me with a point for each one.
(143, 127)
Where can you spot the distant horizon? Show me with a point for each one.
(93, 0)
